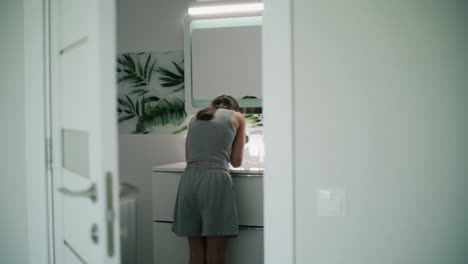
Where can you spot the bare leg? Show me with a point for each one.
(216, 250)
(197, 250)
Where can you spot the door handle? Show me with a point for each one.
(127, 190)
(90, 193)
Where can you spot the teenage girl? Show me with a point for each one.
(205, 210)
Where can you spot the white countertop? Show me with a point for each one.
(180, 167)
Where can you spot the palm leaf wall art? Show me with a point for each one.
(135, 73)
(255, 123)
(171, 79)
(143, 102)
(168, 111)
(182, 129)
(128, 106)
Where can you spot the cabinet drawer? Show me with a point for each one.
(248, 192)
(246, 248)
(165, 186)
(167, 247)
(249, 199)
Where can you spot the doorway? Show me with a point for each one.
(282, 220)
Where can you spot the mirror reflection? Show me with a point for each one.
(226, 59)
(223, 56)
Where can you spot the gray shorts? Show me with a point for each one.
(205, 204)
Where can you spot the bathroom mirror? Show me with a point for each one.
(223, 56)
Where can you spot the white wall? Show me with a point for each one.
(35, 131)
(381, 110)
(148, 25)
(137, 155)
(13, 211)
(278, 184)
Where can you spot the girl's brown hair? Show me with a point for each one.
(223, 101)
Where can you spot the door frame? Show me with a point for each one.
(37, 90)
(278, 105)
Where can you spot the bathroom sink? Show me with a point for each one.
(246, 169)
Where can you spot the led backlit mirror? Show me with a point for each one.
(223, 56)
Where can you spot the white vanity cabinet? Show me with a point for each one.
(246, 248)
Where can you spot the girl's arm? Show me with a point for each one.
(186, 149)
(237, 154)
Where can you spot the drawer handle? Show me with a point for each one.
(244, 227)
(241, 227)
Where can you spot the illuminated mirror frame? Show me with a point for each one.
(213, 21)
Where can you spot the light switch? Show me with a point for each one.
(331, 202)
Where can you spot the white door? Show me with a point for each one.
(84, 131)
